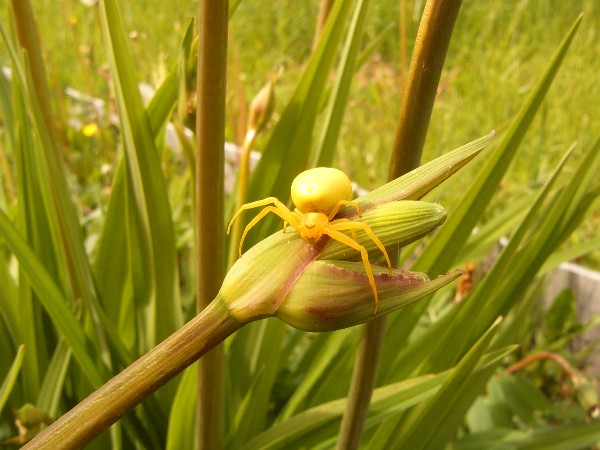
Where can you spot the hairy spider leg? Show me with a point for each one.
(341, 203)
(342, 224)
(279, 209)
(341, 237)
(256, 204)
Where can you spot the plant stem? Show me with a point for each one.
(562, 362)
(210, 141)
(431, 46)
(119, 395)
(363, 383)
(29, 40)
(428, 58)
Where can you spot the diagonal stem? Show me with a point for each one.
(127, 389)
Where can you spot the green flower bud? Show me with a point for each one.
(318, 286)
(261, 107)
(336, 294)
(322, 285)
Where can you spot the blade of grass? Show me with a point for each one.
(54, 377)
(157, 282)
(54, 302)
(299, 428)
(325, 358)
(253, 412)
(57, 197)
(440, 251)
(521, 268)
(182, 420)
(286, 153)
(432, 423)
(11, 376)
(322, 154)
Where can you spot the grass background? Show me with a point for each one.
(498, 50)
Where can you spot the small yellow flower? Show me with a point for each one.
(90, 129)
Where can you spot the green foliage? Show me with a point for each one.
(96, 267)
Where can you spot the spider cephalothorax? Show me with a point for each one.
(318, 195)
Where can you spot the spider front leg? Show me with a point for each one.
(256, 204)
(279, 209)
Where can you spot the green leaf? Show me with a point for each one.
(432, 424)
(182, 420)
(286, 153)
(323, 360)
(152, 262)
(253, 411)
(54, 303)
(556, 437)
(11, 377)
(323, 420)
(441, 250)
(322, 154)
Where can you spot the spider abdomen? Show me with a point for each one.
(320, 190)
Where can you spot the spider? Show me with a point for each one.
(318, 195)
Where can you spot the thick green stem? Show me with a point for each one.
(431, 46)
(428, 59)
(119, 395)
(210, 136)
(363, 383)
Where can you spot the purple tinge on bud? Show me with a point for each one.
(331, 295)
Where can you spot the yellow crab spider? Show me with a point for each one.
(318, 195)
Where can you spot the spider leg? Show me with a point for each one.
(341, 237)
(341, 203)
(279, 209)
(298, 215)
(352, 231)
(349, 225)
(256, 204)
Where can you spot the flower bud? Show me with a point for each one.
(320, 286)
(261, 108)
(336, 294)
